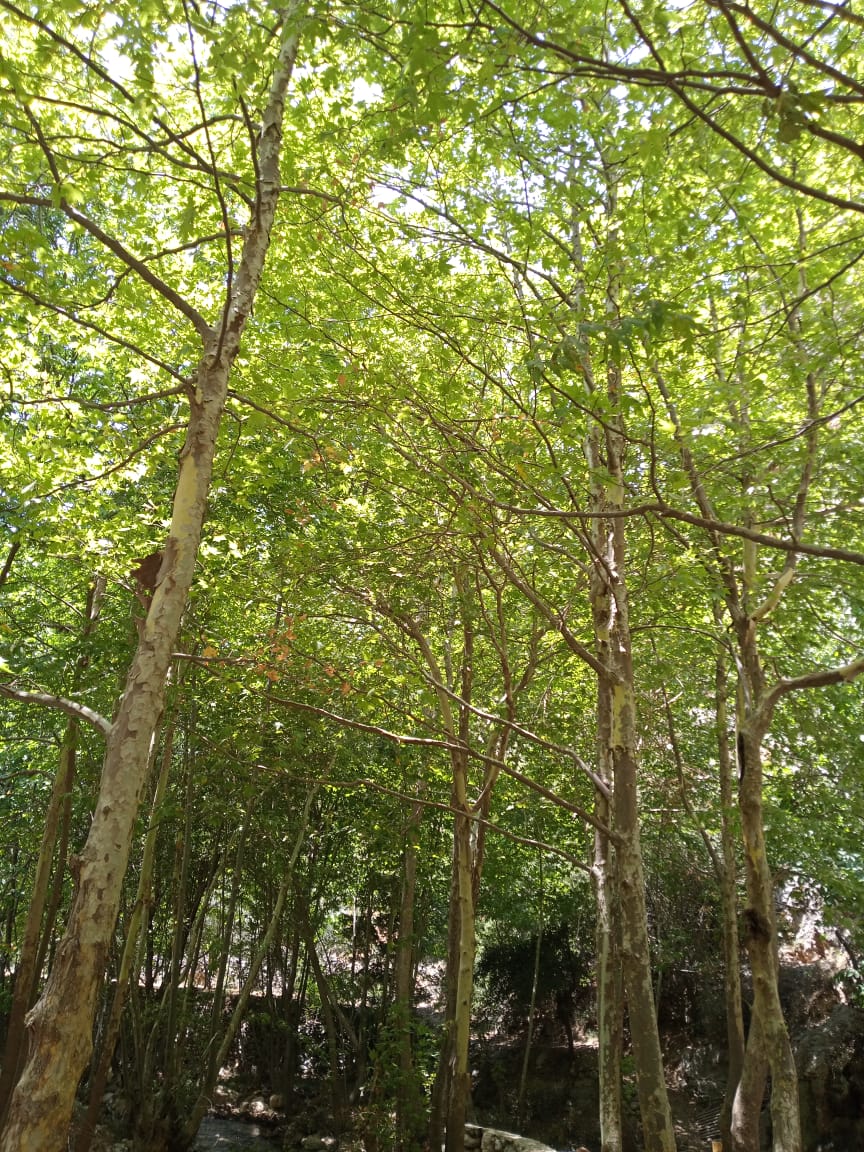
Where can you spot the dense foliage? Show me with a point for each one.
(503, 234)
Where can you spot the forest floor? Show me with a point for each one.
(561, 1103)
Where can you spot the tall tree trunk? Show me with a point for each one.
(460, 1083)
(99, 1076)
(338, 1093)
(617, 724)
(172, 992)
(217, 1013)
(32, 955)
(408, 1105)
(654, 1108)
(610, 1008)
(532, 1006)
(293, 1014)
(750, 1092)
(452, 1089)
(604, 871)
(26, 971)
(441, 1089)
(728, 903)
(460, 1088)
(760, 936)
(60, 1025)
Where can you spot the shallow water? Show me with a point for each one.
(224, 1135)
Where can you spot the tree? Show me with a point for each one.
(556, 355)
(60, 1025)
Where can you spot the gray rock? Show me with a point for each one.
(495, 1140)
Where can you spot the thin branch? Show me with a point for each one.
(214, 238)
(123, 254)
(274, 416)
(302, 190)
(139, 448)
(663, 510)
(10, 557)
(823, 551)
(678, 82)
(713, 855)
(839, 11)
(217, 185)
(555, 618)
(417, 741)
(105, 75)
(527, 734)
(97, 406)
(796, 50)
(68, 314)
(527, 841)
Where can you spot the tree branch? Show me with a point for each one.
(419, 741)
(10, 557)
(527, 841)
(139, 448)
(83, 322)
(843, 675)
(60, 704)
(113, 245)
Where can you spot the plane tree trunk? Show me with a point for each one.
(60, 1025)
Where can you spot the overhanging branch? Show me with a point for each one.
(821, 679)
(60, 704)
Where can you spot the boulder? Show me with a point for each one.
(830, 1060)
(494, 1140)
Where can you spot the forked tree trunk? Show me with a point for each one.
(60, 1025)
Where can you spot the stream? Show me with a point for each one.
(219, 1134)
